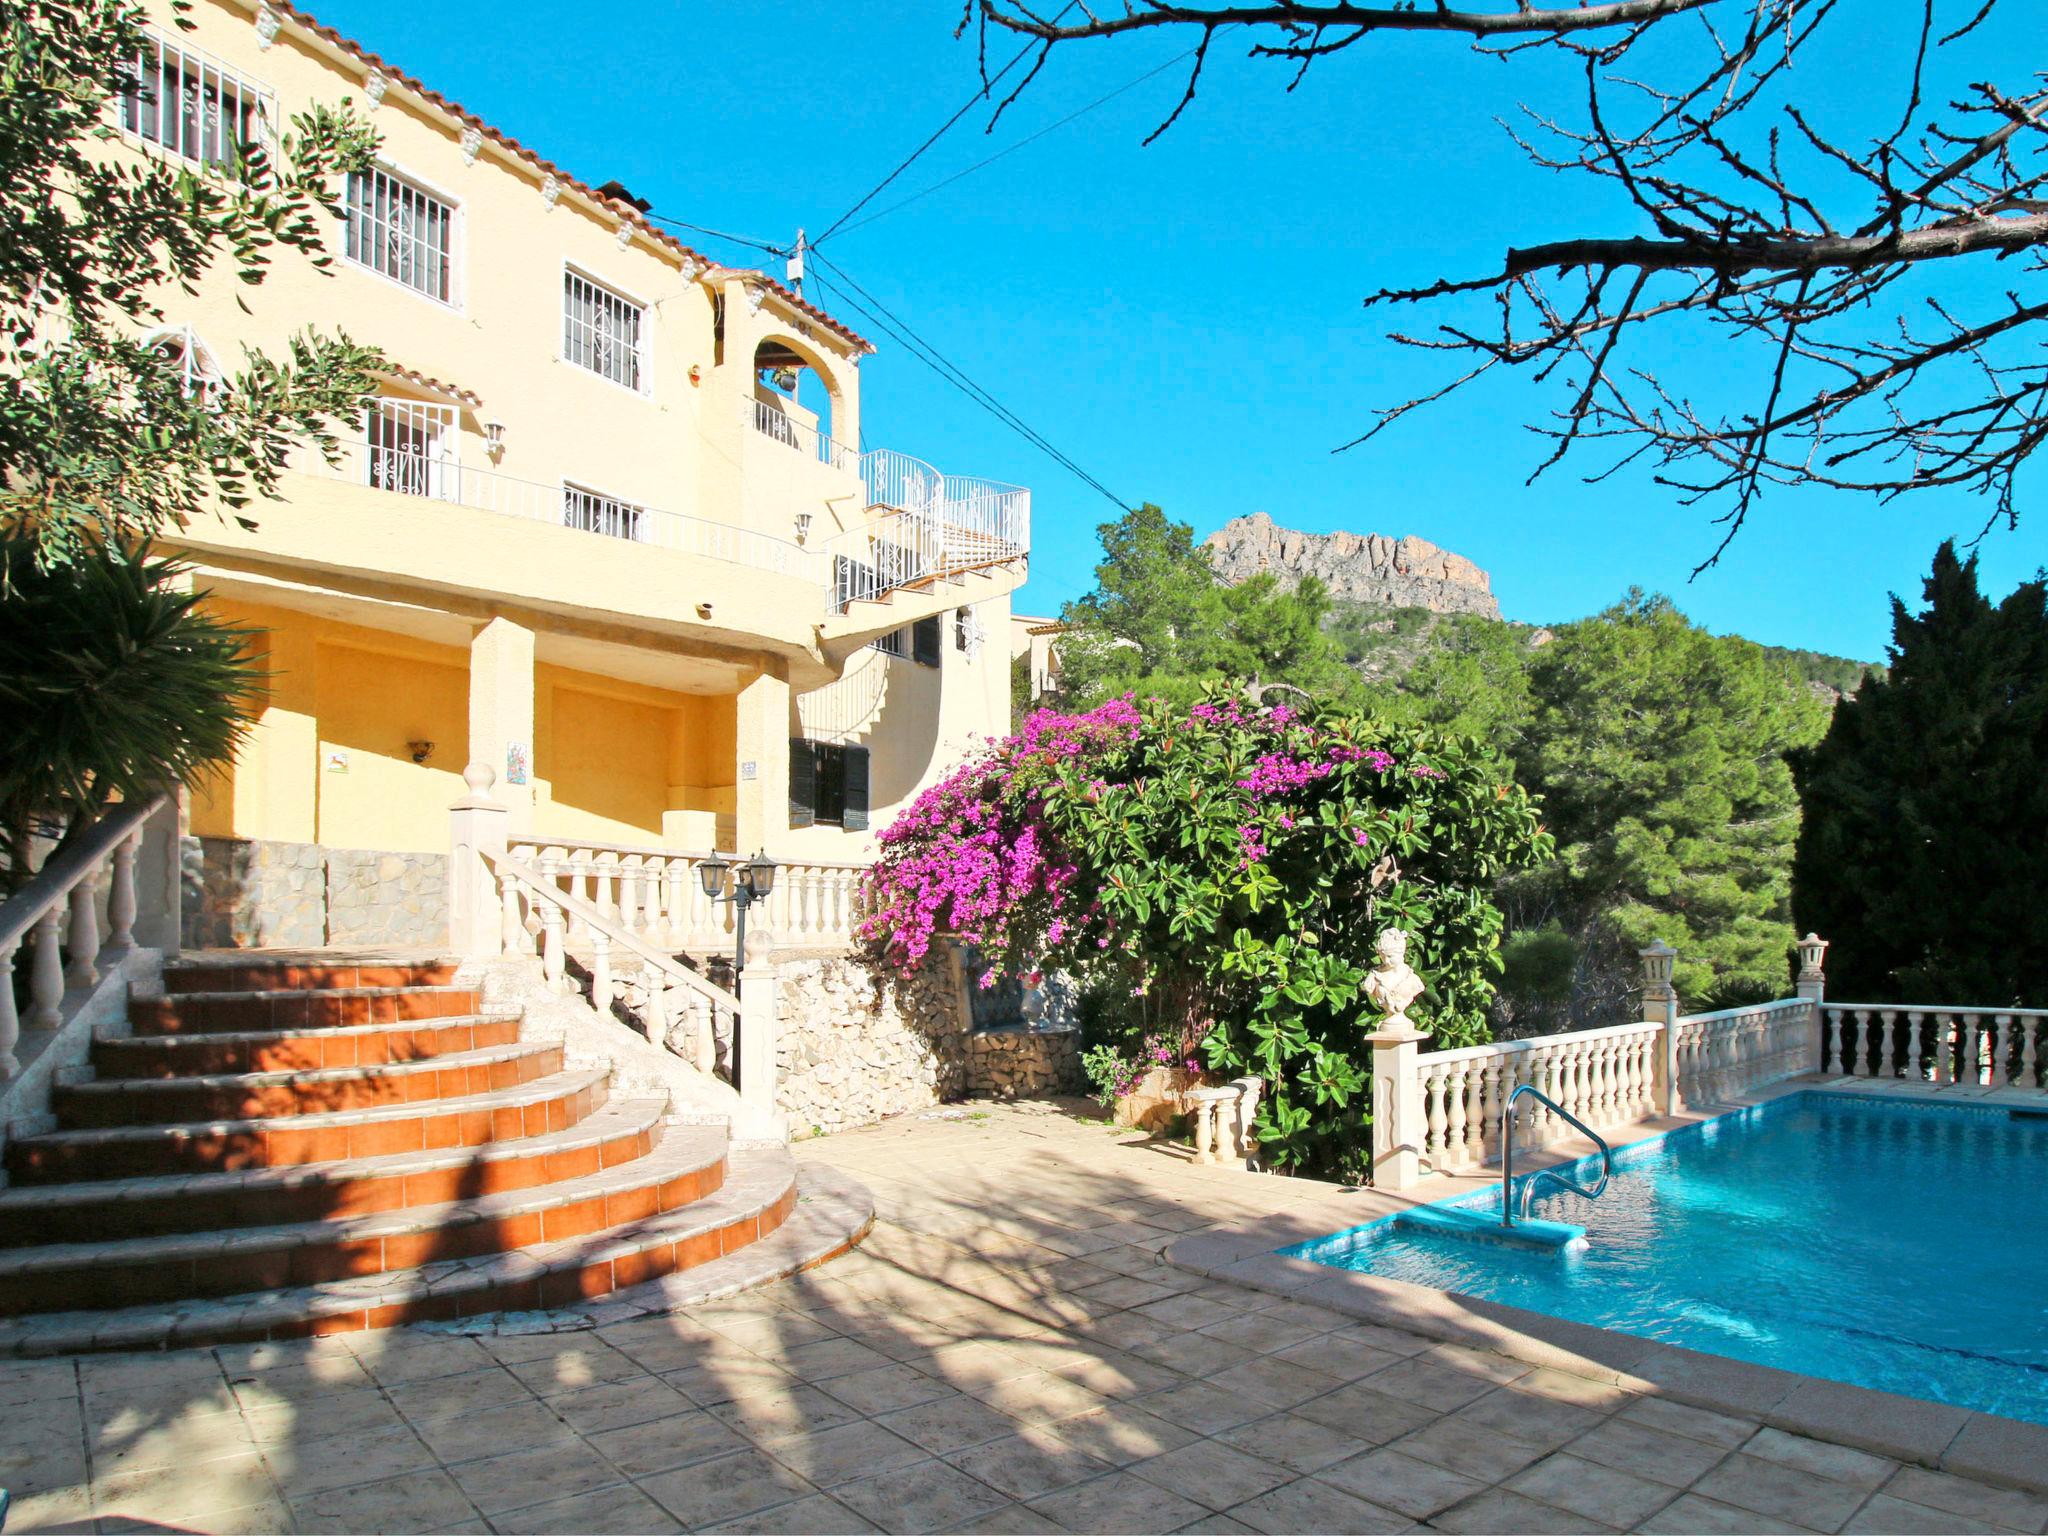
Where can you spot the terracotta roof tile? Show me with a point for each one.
(544, 165)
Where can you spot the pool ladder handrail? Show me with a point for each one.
(1507, 1155)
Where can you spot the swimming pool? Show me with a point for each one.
(1892, 1245)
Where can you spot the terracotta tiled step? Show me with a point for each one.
(258, 975)
(272, 1050)
(115, 1152)
(261, 1197)
(757, 1197)
(238, 1012)
(687, 1167)
(256, 1095)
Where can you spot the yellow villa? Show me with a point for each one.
(586, 534)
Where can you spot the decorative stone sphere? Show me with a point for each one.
(479, 777)
(759, 942)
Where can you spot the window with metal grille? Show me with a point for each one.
(410, 448)
(407, 235)
(199, 375)
(894, 643)
(191, 104)
(603, 332)
(595, 512)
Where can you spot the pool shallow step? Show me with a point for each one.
(1487, 1227)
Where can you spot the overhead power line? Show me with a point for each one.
(886, 320)
(1100, 101)
(718, 234)
(939, 133)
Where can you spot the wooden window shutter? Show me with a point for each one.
(803, 784)
(924, 641)
(855, 816)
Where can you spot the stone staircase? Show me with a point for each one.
(285, 1148)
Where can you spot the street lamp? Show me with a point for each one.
(751, 882)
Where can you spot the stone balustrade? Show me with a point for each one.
(1441, 1110)
(656, 894)
(1990, 1047)
(1603, 1076)
(80, 902)
(1722, 1055)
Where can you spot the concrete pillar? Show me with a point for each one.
(477, 826)
(501, 714)
(758, 1030)
(1397, 1124)
(1660, 1006)
(761, 745)
(1812, 985)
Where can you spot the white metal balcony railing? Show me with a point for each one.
(410, 473)
(772, 421)
(930, 525)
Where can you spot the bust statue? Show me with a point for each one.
(1392, 982)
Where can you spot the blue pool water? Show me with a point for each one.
(1896, 1246)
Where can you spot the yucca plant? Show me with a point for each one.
(114, 684)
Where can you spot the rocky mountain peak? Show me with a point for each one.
(1357, 567)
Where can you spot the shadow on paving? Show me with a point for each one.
(1005, 1352)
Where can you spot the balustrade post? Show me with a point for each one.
(600, 971)
(512, 935)
(756, 1025)
(46, 970)
(477, 829)
(121, 893)
(84, 936)
(1398, 1127)
(1660, 1007)
(10, 1021)
(1812, 985)
(553, 962)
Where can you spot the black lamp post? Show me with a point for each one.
(751, 882)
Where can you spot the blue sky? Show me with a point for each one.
(1183, 320)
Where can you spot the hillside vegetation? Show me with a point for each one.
(1658, 751)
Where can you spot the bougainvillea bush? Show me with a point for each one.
(1226, 868)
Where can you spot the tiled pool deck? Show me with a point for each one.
(1008, 1351)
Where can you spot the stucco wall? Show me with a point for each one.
(240, 893)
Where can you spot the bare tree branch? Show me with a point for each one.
(1831, 268)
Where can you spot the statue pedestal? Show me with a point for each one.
(1397, 1124)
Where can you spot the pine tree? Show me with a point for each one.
(1926, 806)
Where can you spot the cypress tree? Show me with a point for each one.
(1926, 806)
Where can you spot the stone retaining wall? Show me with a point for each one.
(1024, 1063)
(241, 893)
(853, 1047)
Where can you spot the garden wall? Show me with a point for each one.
(242, 893)
(853, 1047)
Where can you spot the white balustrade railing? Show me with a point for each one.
(772, 421)
(1990, 1047)
(657, 895)
(1603, 1076)
(1723, 1055)
(930, 525)
(57, 915)
(429, 478)
(678, 1009)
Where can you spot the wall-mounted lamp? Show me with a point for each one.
(421, 750)
(803, 526)
(494, 438)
